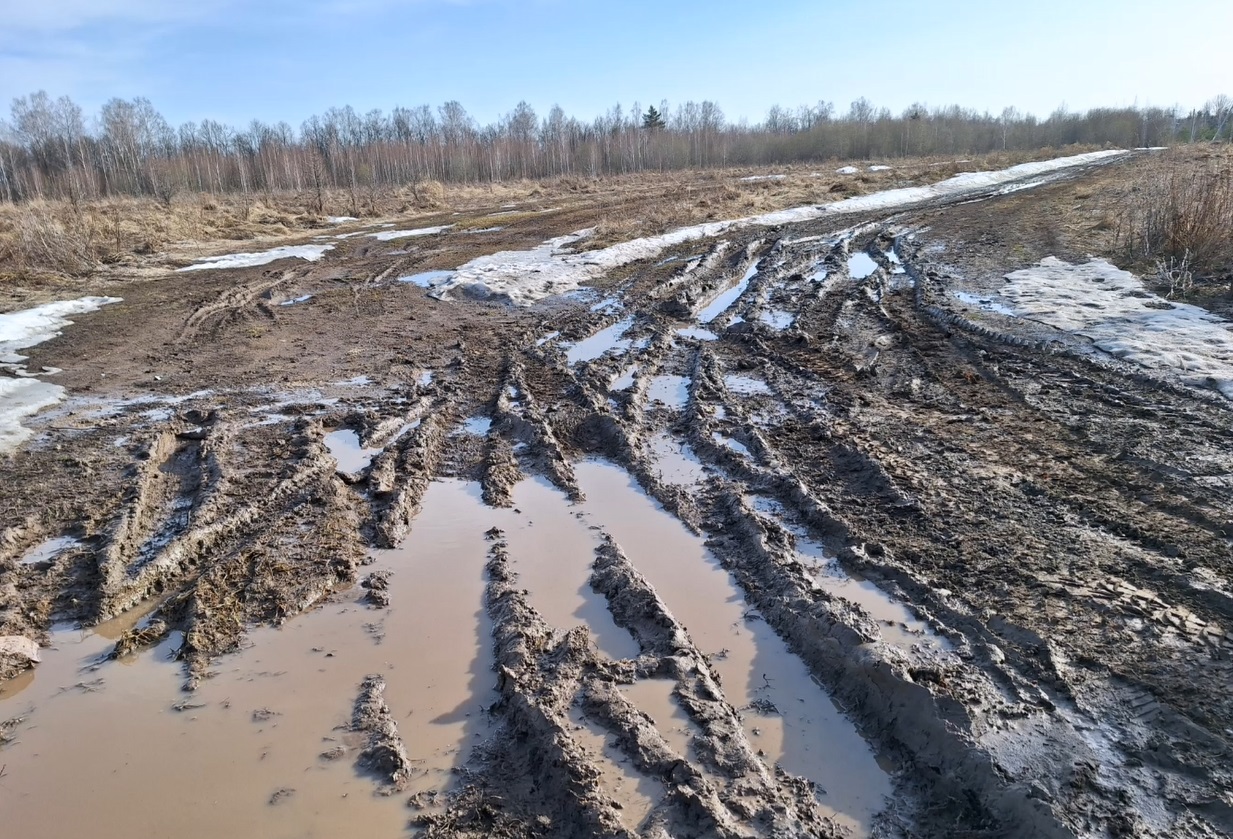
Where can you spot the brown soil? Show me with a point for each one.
(1055, 526)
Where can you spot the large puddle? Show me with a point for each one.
(104, 753)
(786, 715)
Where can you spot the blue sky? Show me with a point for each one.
(234, 60)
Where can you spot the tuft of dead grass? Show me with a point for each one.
(1178, 213)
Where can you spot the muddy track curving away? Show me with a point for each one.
(794, 529)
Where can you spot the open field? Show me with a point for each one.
(843, 512)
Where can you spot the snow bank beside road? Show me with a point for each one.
(552, 268)
(1113, 309)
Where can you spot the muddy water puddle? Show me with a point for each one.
(785, 713)
(618, 777)
(345, 447)
(898, 624)
(654, 698)
(244, 755)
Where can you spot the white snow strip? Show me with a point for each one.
(846, 170)
(246, 260)
(304, 298)
(30, 327)
(879, 168)
(553, 268)
(1113, 309)
(340, 219)
(763, 178)
(387, 235)
(24, 396)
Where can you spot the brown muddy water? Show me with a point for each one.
(245, 754)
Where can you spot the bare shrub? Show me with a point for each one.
(1179, 215)
(67, 243)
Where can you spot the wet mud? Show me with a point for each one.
(778, 534)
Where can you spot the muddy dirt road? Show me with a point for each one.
(878, 520)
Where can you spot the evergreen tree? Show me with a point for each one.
(652, 120)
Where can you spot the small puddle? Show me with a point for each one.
(654, 698)
(427, 279)
(745, 385)
(721, 303)
(898, 625)
(476, 426)
(604, 341)
(48, 550)
(698, 333)
(728, 442)
(109, 735)
(304, 298)
(344, 445)
(987, 303)
(672, 391)
(787, 714)
(549, 337)
(552, 550)
(861, 265)
(777, 318)
(675, 462)
(621, 781)
(626, 380)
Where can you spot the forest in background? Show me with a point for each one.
(50, 149)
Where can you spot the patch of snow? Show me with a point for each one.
(762, 178)
(861, 265)
(1113, 309)
(777, 318)
(387, 235)
(358, 381)
(550, 336)
(551, 268)
(846, 170)
(879, 168)
(672, 391)
(487, 230)
(605, 340)
(721, 302)
(427, 279)
(301, 299)
(311, 253)
(26, 395)
(340, 219)
(697, 333)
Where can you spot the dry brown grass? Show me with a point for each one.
(1177, 214)
(48, 242)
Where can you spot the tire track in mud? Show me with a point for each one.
(1060, 528)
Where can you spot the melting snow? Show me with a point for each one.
(25, 396)
(986, 303)
(763, 178)
(49, 549)
(246, 260)
(552, 268)
(550, 336)
(340, 219)
(1113, 309)
(301, 299)
(846, 170)
(387, 235)
(879, 168)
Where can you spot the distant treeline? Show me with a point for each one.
(48, 148)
